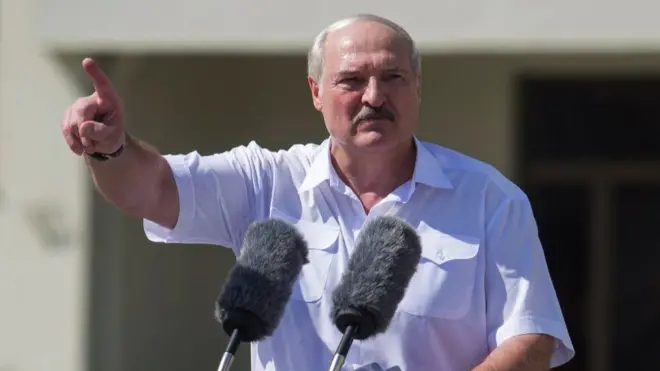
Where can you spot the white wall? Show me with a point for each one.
(258, 25)
(42, 186)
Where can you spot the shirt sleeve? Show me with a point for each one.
(219, 196)
(520, 295)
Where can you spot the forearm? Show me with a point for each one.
(132, 181)
(522, 353)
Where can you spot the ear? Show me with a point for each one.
(419, 88)
(315, 89)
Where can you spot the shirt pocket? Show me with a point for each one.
(322, 243)
(443, 285)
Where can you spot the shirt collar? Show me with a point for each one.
(428, 169)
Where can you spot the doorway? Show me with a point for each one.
(590, 151)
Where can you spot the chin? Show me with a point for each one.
(373, 139)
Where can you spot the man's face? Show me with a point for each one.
(369, 94)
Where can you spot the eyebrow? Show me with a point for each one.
(353, 71)
(394, 69)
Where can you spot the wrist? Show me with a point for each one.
(99, 156)
(106, 156)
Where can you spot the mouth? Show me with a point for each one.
(372, 124)
(374, 119)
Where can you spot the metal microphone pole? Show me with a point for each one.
(232, 347)
(342, 350)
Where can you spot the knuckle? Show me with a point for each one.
(80, 102)
(67, 128)
(82, 105)
(80, 110)
(70, 123)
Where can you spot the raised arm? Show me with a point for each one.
(138, 180)
(184, 198)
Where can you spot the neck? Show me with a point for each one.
(374, 174)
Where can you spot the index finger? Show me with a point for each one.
(100, 80)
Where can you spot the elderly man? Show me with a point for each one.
(482, 297)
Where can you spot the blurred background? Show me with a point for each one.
(561, 96)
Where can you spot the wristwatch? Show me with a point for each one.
(106, 156)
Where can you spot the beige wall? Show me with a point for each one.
(251, 25)
(43, 208)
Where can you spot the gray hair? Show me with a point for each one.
(315, 55)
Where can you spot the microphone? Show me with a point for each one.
(385, 258)
(253, 298)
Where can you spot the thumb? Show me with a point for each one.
(93, 130)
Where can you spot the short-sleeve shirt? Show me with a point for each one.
(481, 280)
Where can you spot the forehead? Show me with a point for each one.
(366, 44)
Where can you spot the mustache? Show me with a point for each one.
(373, 113)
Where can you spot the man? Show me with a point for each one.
(482, 297)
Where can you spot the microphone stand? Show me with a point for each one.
(232, 347)
(342, 350)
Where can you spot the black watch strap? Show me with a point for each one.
(106, 156)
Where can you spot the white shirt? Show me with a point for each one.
(482, 278)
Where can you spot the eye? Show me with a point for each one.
(350, 80)
(393, 76)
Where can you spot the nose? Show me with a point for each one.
(374, 94)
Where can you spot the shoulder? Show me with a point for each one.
(250, 160)
(258, 155)
(294, 156)
(478, 179)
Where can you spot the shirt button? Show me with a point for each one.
(440, 256)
